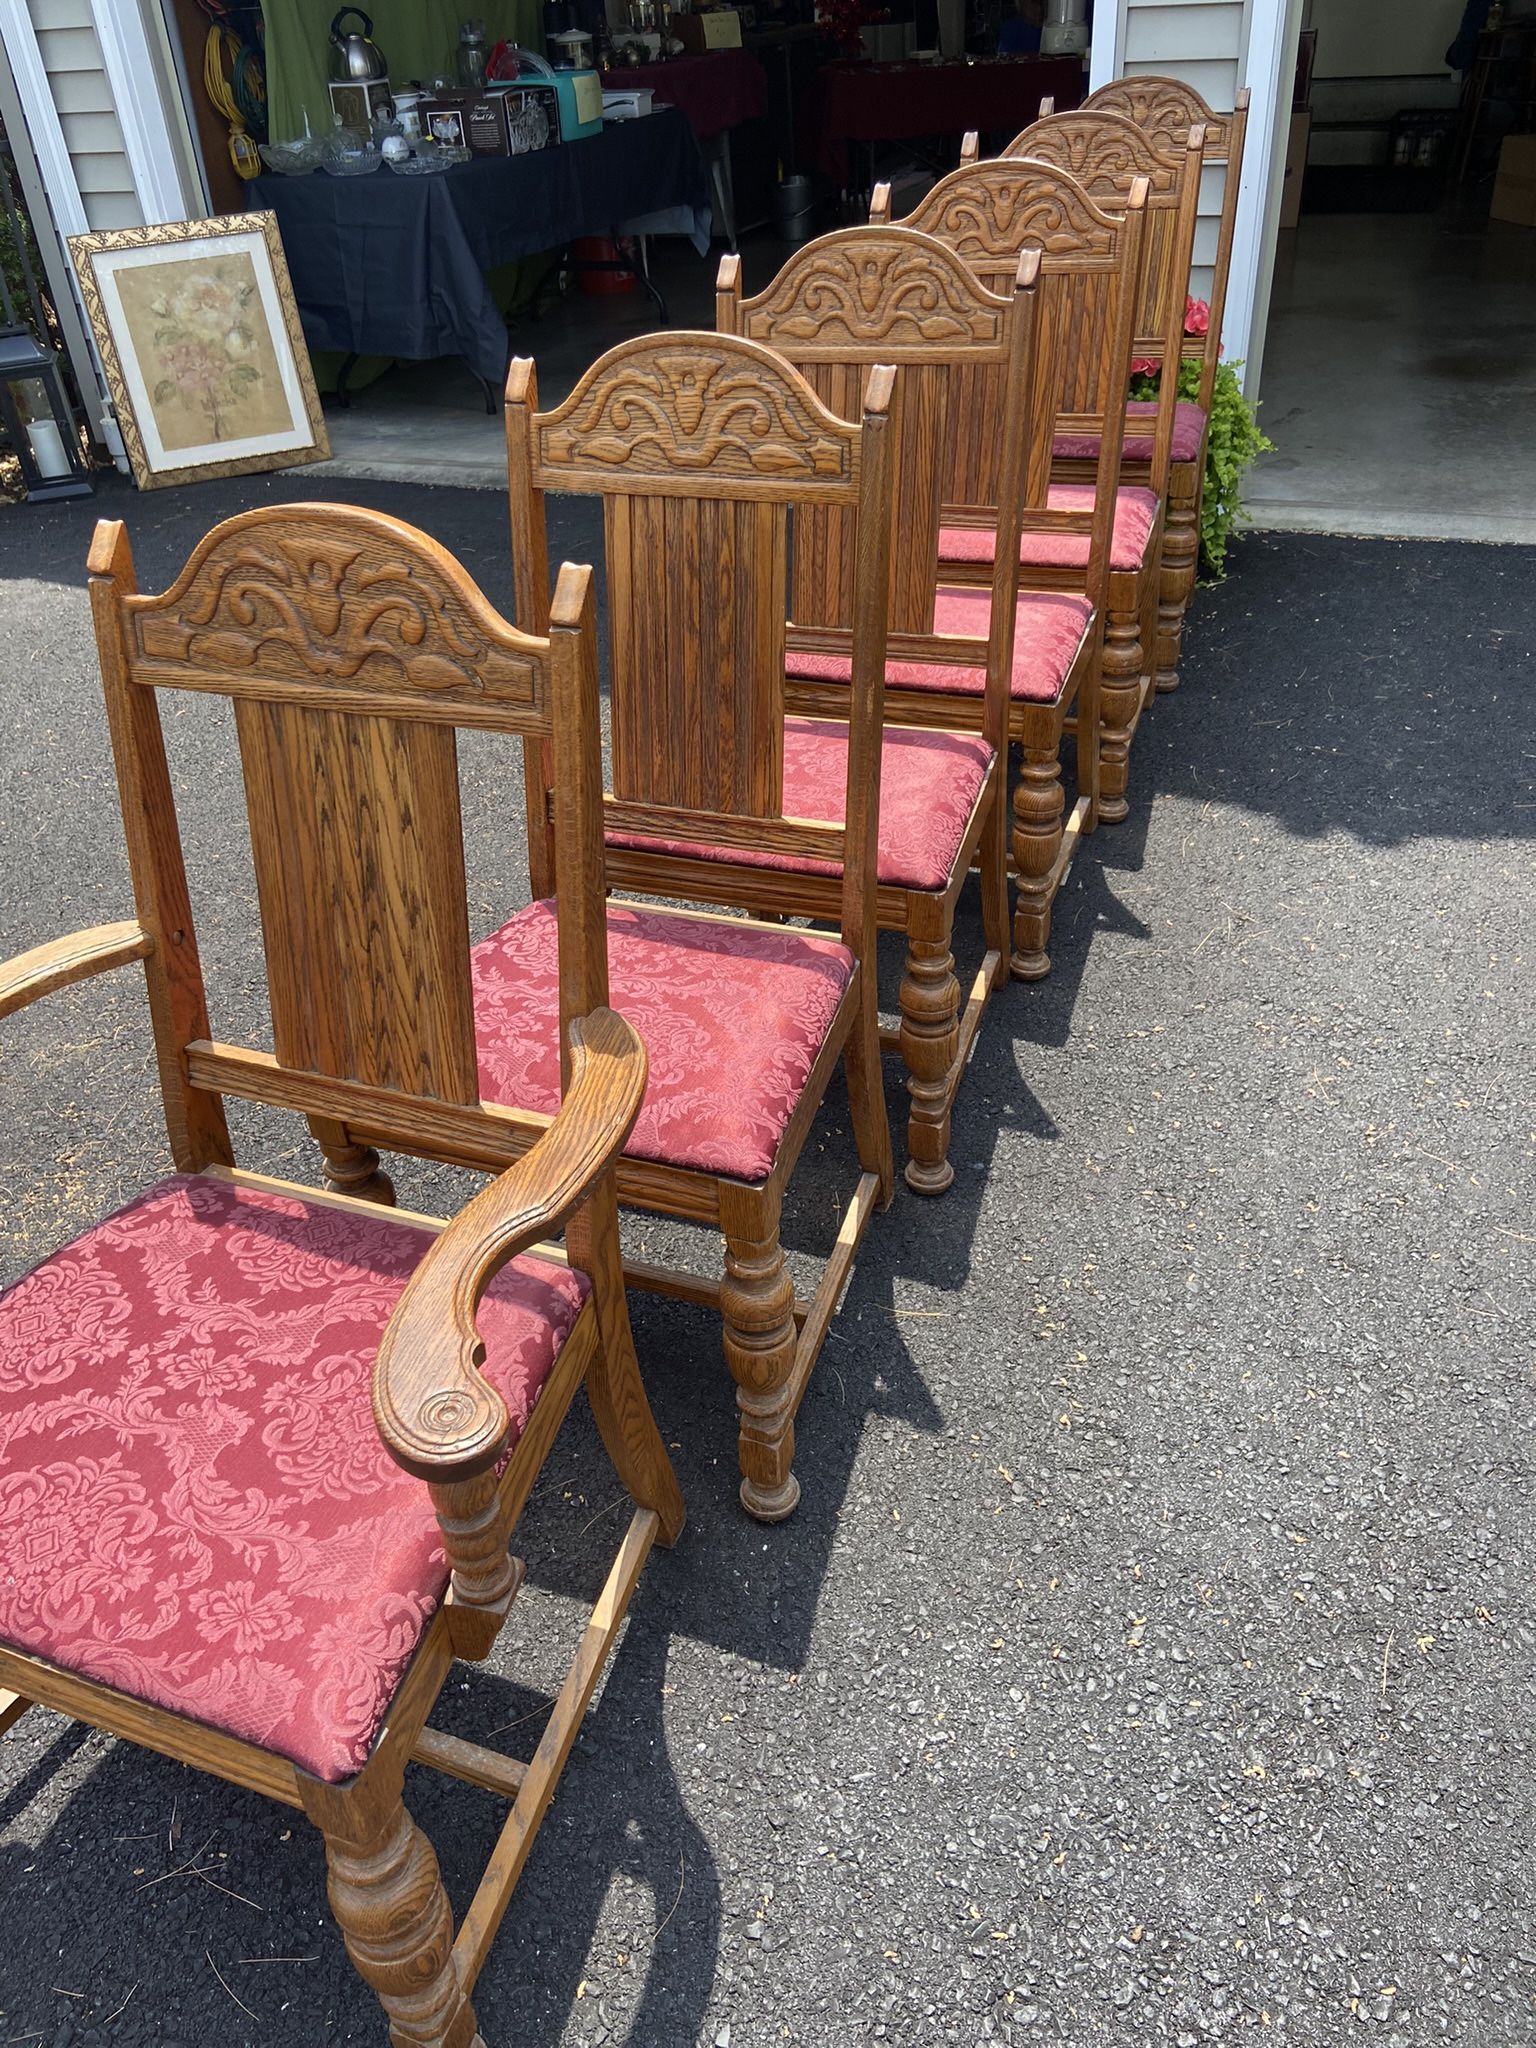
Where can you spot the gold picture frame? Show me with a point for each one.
(199, 336)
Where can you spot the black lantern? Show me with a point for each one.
(34, 412)
(36, 418)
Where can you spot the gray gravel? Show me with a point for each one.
(1150, 1660)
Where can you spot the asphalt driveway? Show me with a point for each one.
(1151, 1658)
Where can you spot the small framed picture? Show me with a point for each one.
(200, 340)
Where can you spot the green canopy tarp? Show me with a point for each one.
(419, 39)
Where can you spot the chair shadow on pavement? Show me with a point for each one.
(127, 1877)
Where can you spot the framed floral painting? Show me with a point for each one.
(201, 344)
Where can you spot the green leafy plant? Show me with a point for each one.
(1234, 443)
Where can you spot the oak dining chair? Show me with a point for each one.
(1004, 666)
(1090, 280)
(1165, 109)
(265, 1448)
(1107, 153)
(710, 455)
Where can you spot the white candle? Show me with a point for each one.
(48, 448)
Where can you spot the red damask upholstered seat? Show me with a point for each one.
(1047, 637)
(732, 1016)
(195, 1506)
(929, 783)
(1188, 427)
(1135, 517)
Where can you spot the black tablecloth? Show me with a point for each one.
(392, 266)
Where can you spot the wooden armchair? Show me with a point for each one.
(247, 1565)
(1106, 152)
(702, 449)
(1004, 666)
(1090, 270)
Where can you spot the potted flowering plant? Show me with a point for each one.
(845, 20)
(1232, 445)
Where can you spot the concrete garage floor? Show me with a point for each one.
(1399, 379)
(427, 423)
(1150, 1661)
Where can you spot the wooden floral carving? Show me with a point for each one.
(317, 598)
(990, 211)
(1103, 151)
(891, 292)
(686, 408)
(1165, 110)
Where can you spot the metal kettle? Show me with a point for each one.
(361, 57)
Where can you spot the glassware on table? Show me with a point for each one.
(471, 55)
(347, 153)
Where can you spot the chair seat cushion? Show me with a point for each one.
(195, 1505)
(1188, 427)
(732, 1016)
(1135, 517)
(929, 786)
(1047, 636)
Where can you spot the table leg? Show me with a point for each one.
(718, 150)
(643, 272)
(343, 395)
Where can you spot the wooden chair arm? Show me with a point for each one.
(62, 961)
(439, 1418)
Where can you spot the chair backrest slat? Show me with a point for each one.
(356, 837)
(690, 607)
(351, 647)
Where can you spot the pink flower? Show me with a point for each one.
(1197, 316)
(1144, 366)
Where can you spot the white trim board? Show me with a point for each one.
(48, 180)
(154, 150)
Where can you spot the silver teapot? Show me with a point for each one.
(361, 58)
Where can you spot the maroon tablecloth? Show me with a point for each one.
(857, 102)
(716, 90)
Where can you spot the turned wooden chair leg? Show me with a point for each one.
(388, 1898)
(1119, 702)
(1038, 807)
(351, 1169)
(757, 1303)
(1181, 553)
(930, 1041)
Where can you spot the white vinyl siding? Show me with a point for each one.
(1202, 42)
(71, 54)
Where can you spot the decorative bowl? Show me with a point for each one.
(292, 159)
(347, 154)
(422, 165)
(353, 163)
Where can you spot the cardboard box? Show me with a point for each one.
(1296, 147)
(467, 120)
(354, 104)
(1514, 191)
(719, 30)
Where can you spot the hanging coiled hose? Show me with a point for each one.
(236, 85)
